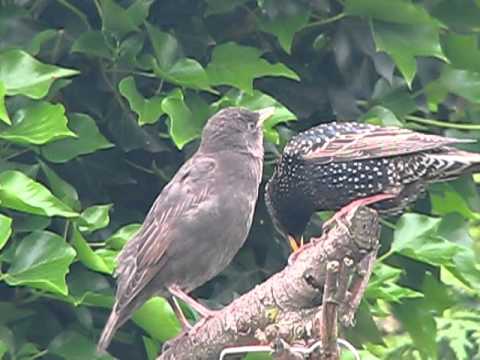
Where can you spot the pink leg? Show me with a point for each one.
(180, 294)
(355, 204)
(179, 313)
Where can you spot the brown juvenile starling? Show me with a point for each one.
(198, 222)
(334, 165)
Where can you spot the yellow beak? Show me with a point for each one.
(264, 114)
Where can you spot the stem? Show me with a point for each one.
(442, 124)
(77, 12)
(326, 20)
(388, 224)
(386, 255)
(18, 153)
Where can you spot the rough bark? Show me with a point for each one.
(286, 311)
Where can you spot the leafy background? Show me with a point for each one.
(101, 101)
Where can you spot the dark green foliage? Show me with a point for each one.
(101, 101)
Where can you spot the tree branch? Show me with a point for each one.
(286, 309)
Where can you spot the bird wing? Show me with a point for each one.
(142, 256)
(376, 142)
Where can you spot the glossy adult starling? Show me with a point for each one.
(198, 222)
(333, 165)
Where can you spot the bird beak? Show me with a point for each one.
(265, 114)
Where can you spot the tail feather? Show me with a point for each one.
(115, 320)
(452, 163)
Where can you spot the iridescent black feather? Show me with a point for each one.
(331, 165)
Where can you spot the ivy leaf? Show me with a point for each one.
(5, 229)
(73, 345)
(38, 124)
(290, 18)
(60, 188)
(404, 42)
(463, 51)
(116, 19)
(394, 11)
(3, 109)
(92, 43)
(379, 115)
(383, 285)
(155, 310)
(238, 66)
(416, 236)
(19, 192)
(22, 74)
(88, 140)
(118, 240)
(41, 260)
(94, 218)
(461, 82)
(87, 256)
(215, 7)
(148, 110)
(171, 65)
(186, 119)
(257, 101)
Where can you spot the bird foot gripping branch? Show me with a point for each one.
(299, 306)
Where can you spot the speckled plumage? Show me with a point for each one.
(331, 165)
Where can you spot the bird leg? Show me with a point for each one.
(180, 294)
(179, 313)
(356, 204)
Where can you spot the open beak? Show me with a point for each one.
(295, 242)
(265, 114)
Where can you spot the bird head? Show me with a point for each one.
(235, 128)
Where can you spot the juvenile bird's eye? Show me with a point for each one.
(251, 126)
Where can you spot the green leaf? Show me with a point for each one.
(154, 311)
(166, 47)
(446, 199)
(383, 285)
(463, 52)
(41, 260)
(3, 109)
(5, 229)
(416, 236)
(19, 192)
(170, 63)
(94, 218)
(37, 124)
(88, 140)
(418, 320)
(73, 345)
(60, 188)
(87, 256)
(121, 236)
(379, 115)
(92, 43)
(148, 110)
(152, 348)
(459, 15)
(35, 45)
(404, 42)
(286, 23)
(238, 66)
(257, 101)
(186, 123)
(461, 82)
(22, 74)
(395, 11)
(215, 7)
(116, 19)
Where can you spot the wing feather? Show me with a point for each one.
(375, 142)
(141, 258)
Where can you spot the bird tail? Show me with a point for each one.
(452, 163)
(115, 320)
